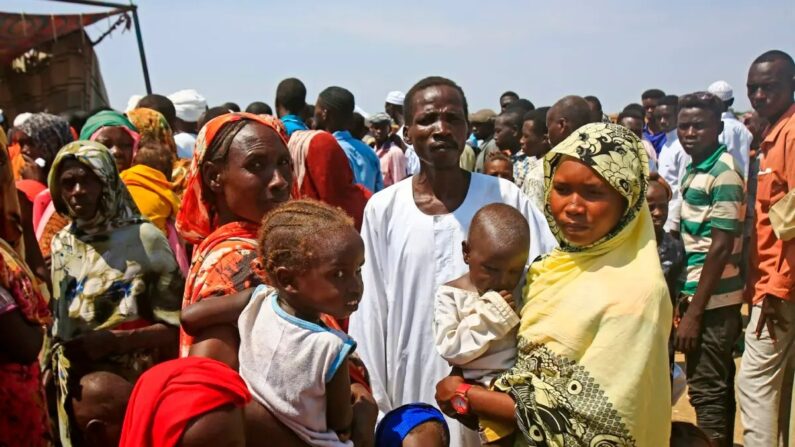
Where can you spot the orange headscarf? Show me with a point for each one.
(196, 218)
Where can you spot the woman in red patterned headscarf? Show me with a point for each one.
(241, 170)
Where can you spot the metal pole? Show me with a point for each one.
(97, 3)
(141, 49)
(134, 9)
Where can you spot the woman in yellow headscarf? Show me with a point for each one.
(592, 362)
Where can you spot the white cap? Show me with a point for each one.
(2, 116)
(396, 97)
(132, 103)
(361, 112)
(722, 90)
(21, 118)
(189, 105)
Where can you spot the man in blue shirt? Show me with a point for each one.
(651, 132)
(290, 102)
(333, 113)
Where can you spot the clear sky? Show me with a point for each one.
(238, 50)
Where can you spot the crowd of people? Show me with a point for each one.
(308, 275)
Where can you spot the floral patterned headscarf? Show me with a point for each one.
(617, 155)
(116, 209)
(196, 218)
(151, 123)
(47, 132)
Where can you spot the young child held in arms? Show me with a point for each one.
(295, 365)
(475, 317)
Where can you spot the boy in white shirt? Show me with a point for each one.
(475, 318)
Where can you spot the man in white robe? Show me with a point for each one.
(413, 233)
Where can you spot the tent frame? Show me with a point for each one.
(133, 8)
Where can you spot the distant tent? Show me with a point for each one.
(47, 63)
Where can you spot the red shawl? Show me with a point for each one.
(322, 172)
(172, 394)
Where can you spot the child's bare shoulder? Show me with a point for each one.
(463, 283)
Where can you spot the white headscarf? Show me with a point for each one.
(189, 104)
(132, 103)
(396, 97)
(21, 118)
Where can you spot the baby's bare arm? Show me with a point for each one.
(214, 311)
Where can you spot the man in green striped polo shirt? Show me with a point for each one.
(713, 209)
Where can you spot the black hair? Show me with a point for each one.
(231, 106)
(498, 156)
(539, 119)
(635, 106)
(510, 93)
(338, 100)
(777, 55)
(668, 100)
(161, 104)
(653, 93)
(76, 118)
(222, 141)
(774, 55)
(431, 81)
(207, 116)
(702, 100)
(630, 113)
(515, 115)
(524, 105)
(259, 108)
(358, 127)
(218, 149)
(432, 424)
(594, 100)
(291, 94)
(156, 155)
(501, 224)
(574, 109)
(290, 234)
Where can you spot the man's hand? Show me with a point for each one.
(688, 332)
(508, 297)
(770, 316)
(365, 415)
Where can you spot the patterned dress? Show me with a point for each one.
(113, 271)
(23, 408)
(223, 264)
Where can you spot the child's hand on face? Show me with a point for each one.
(508, 297)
